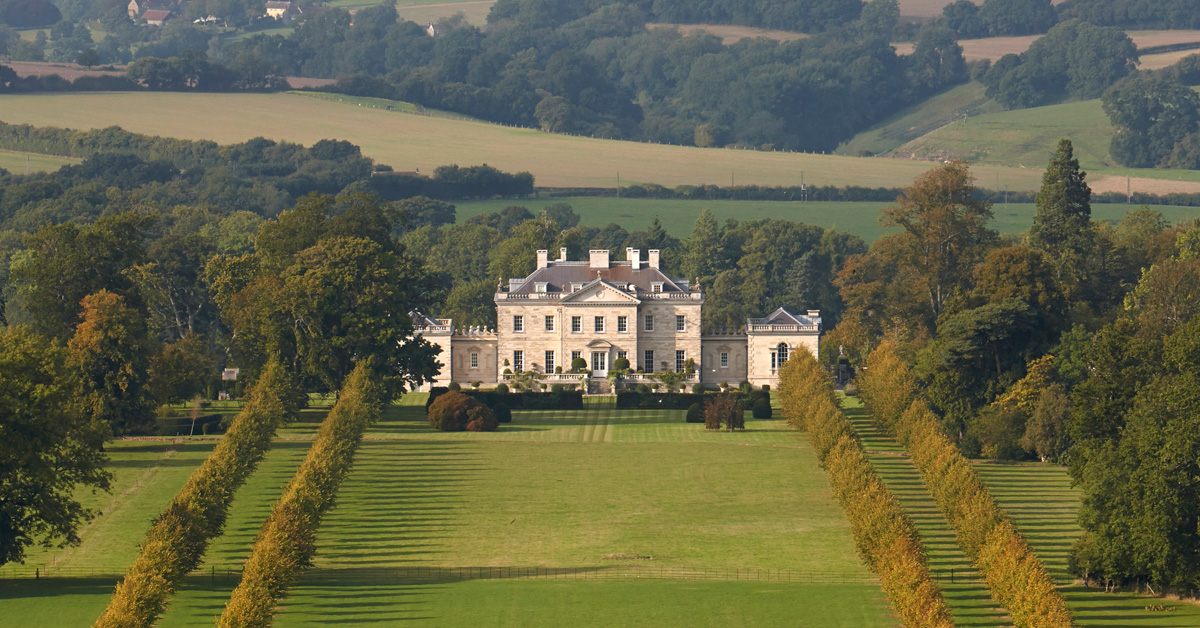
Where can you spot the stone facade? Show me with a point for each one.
(601, 310)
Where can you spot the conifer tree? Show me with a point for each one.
(703, 248)
(1062, 223)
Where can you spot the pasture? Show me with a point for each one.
(730, 33)
(992, 48)
(1042, 503)
(861, 219)
(17, 163)
(592, 517)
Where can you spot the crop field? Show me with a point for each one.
(17, 163)
(1041, 501)
(730, 33)
(407, 141)
(995, 47)
(861, 219)
(591, 518)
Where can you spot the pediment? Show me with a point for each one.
(600, 291)
(600, 344)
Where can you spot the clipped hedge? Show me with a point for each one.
(179, 536)
(885, 537)
(1016, 577)
(637, 400)
(559, 400)
(287, 540)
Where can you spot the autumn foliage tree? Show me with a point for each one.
(110, 355)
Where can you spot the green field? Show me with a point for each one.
(17, 163)
(862, 219)
(741, 528)
(1041, 501)
(919, 119)
(406, 141)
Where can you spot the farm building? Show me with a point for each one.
(600, 310)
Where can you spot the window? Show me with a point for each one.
(575, 355)
(778, 357)
(622, 324)
(680, 360)
(474, 359)
(518, 324)
(724, 359)
(576, 324)
(540, 287)
(599, 325)
(680, 323)
(622, 355)
(656, 287)
(549, 323)
(549, 361)
(518, 361)
(649, 323)
(648, 361)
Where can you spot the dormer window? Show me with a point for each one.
(540, 287)
(656, 287)
(576, 287)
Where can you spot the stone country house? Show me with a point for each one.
(602, 310)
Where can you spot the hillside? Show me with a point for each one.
(408, 141)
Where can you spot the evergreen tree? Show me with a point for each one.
(703, 249)
(1062, 222)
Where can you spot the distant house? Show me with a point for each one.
(136, 8)
(156, 17)
(282, 11)
(431, 30)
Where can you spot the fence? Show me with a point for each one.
(451, 574)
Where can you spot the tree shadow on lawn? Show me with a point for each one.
(11, 589)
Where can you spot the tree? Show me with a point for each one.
(422, 210)
(172, 285)
(1047, 432)
(48, 451)
(724, 411)
(109, 354)
(1149, 115)
(962, 16)
(181, 370)
(703, 251)
(944, 230)
(1017, 17)
(1062, 221)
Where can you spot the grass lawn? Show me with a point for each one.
(861, 219)
(15, 162)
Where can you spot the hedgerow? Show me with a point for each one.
(1016, 577)
(886, 538)
(179, 536)
(287, 540)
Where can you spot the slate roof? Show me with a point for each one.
(559, 276)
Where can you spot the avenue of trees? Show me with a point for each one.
(1072, 343)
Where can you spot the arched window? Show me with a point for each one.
(782, 351)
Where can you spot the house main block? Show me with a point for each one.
(601, 310)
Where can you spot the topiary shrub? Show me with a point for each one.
(450, 412)
(502, 389)
(762, 408)
(454, 386)
(503, 414)
(578, 365)
(697, 388)
(643, 389)
(745, 386)
(481, 419)
(621, 364)
(695, 413)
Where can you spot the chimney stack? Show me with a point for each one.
(543, 258)
(599, 258)
(652, 259)
(635, 258)
(562, 254)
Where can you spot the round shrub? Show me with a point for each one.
(695, 413)
(762, 408)
(643, 389)
(744, 386)
(503, 414)
(697, 388)
(502, 389)
(481, 419)
(451, 412)
(621, 364)
(579, 364)
(454, 386)
(851, 389)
